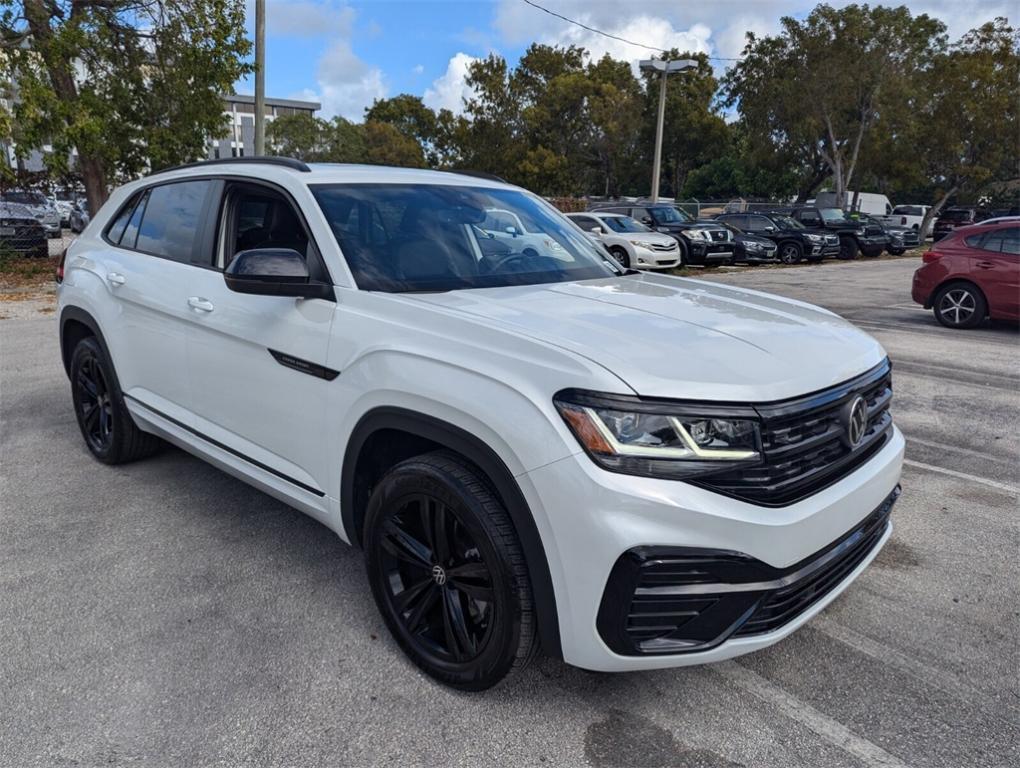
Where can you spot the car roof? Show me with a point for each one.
(999, 220)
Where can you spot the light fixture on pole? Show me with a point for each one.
(665, 67)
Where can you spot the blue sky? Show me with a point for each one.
(345, 53)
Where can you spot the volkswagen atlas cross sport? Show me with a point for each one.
(534, 447)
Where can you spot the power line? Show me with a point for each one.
(610, 36)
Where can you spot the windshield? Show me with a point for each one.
(907, 210)
(669, 215)
(831, 214)
(786, 222)
(429, 237)
(623, 224)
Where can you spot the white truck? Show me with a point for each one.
(909, 216)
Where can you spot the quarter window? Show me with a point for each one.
(1001, 241)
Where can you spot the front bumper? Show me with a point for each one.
(590, 518)
(648, 258)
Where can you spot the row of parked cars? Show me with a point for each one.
(661, 236)
(29, 218)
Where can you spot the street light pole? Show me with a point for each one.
(260, 77)
(663, 67)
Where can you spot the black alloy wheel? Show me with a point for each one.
(848, 247)
(620, 254)
(110, 433)
(447, 572)
(789, 253)
(94, 404)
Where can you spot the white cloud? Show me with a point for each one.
(417, 69)
(346, 83)
(449, 90)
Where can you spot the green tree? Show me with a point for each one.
(126, 85)
(968, 129)
(409, 115)
(614, 114)
(818, 88)
(300, 136)
(385, 145)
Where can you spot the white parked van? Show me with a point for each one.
(866, 202)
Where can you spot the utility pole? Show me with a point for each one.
(260, 77)
(664, 67)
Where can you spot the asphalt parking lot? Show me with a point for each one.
(163, 613)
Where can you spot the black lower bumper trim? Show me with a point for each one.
(669, 600)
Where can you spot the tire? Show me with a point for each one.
(110, 433)
(790, 252)
(620, 254)
(440, 619)
(960, 305)
(684, 260)
(847, 247)
(896, 251)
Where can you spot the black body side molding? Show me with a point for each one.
(304, 366)
(470, 446)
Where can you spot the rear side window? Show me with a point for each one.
(170, 224)
(1002, 241)
(131, 232)
(116, 229)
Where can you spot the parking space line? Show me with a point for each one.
(945, 681)
(829, 729)
(955, 449)
(963, 476)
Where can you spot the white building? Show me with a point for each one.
(240, 139)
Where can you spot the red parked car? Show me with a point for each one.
(971, 274)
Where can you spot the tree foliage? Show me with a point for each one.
(126, 85)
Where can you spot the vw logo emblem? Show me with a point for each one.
(856, 422)
(438, 575)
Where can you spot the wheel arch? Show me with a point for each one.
(424, 432)
(75, 325)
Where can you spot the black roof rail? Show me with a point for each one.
(286, 162)
(480, 175)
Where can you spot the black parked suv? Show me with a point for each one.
(854, 237)
(793, 240)
(900, 239)
(701, 242)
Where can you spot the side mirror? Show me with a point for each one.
(596, 230)
(769, 228)
(647, 220)
(512, 231)
(274, 272)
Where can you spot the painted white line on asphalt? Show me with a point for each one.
(831, 730)
(963, 476)
(945, 681)
(956, 449)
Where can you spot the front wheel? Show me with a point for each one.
(896, 251)
(621, 256)
(447, 572)
(789, 253)
(960, 305)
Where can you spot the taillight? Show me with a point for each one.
(59, 276)
(903, 221)
(929, 256)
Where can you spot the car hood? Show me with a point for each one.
(672, 337)
(655, 238)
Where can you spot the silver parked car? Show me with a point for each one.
(42, 209)
(629, 241)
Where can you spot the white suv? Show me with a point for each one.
(533, 449)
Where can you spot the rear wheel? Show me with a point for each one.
(109, 431)
(620, 254)
(960, 305)
(896, 251)
(448, 573)
(790, 253)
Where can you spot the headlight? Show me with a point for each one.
(670, 440)
(639, 243)
(697, 234)
(859, 232)
(814, 238)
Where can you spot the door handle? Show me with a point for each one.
(203, 305)
(115, 279)
(985, 265)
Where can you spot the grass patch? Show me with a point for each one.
(20, 273)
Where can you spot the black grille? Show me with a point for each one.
(804, 442)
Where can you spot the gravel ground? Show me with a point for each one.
(163, 613)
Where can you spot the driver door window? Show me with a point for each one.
(260, 218)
